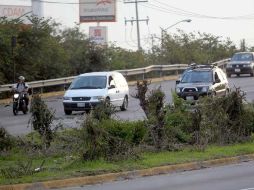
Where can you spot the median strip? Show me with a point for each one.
(90, 180)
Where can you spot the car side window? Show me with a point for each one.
(111, 81)
(216, 77)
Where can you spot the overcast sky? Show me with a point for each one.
(207, 16)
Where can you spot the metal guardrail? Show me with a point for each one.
(126, 73)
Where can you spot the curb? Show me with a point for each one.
(61, 93)
(90, 180)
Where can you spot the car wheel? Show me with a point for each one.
(67, 112)
(107, 101)
(125, 104)
(213, 94)
(226, 92)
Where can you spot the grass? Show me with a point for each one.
(59, 167)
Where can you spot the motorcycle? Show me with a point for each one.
(19, 103)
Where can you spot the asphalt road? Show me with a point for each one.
(231, 177)
(18, 125)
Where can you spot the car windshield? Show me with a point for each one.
(89, 82)
(197, 77)
(242, 57)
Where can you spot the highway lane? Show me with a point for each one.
(17, 125)
(231, 177)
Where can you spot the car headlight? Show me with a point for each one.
(178, 90)
(247, 65)
(66, 98)
(100, 98)
(204, 89)
(229, 66)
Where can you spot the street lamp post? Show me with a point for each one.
(164, 31)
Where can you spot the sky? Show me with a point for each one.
(232, 19)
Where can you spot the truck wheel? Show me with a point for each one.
(125, 104)
(67, 112)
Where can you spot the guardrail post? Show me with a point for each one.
(176, 73)
(144, 71)
(161, 74)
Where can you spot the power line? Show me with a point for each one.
(137, 20)
(163, 7)
(166, 8)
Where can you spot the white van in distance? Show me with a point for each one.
(89, 89)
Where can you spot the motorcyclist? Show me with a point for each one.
(22, 87)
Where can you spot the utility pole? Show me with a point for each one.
(137, 20)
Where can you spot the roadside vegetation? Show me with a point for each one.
(213, 128)
(44, 50)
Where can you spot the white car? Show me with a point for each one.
(89, 89)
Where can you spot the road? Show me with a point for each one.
(231, 177)
(18, 125)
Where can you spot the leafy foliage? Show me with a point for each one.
(153, 106)
(44, 51)
(227, 119)
(41, 120)
(103, 111)
(6, 142)
(111, 139)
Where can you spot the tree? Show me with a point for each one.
(243, 45)
(39, 55)
(83, 55)
(183, 48)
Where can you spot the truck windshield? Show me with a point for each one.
(89, 82)
(197, 77)
(242, 57)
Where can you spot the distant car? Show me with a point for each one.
(241, 63)
(90, 89)
(202, 81)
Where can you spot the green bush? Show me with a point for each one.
(103, 111)
(111, 139)
(225, 119)
(42, 119)
(131, 132)
(178, 126)
(6, 141)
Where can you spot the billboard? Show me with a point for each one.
(98, 34)
(97, 10)
(13, 11)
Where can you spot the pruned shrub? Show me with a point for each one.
(42, 119)
(178, 123)
(153, 106)
(103, 111)
(6, 141)
(225, 119)
(111, 139)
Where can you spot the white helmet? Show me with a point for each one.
(22, 78)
